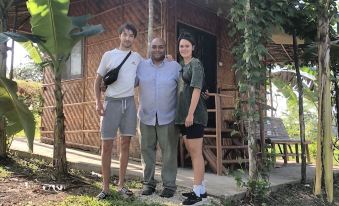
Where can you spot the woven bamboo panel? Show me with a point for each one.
(48, 76)
(77, 8)
(172, 43)
(73, 138)
(111, 21)
(228, 101)
(48, 95)
(92, 138)
(47, 119)
(89, 91)
(49, 135)
(224, 40)
(91, 119)
(95, 53)
(73, 117)
(137, 13)
(73, 91)
(98, 6)
(200, 18)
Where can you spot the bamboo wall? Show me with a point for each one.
(82, 122)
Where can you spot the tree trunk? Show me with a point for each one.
(251, 94)
(59, 155)
(252, 146)
(3, 142)
(324, 153)
(3, 58)
(301, 109)
(150, 26)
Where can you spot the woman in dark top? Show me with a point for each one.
(191, 114)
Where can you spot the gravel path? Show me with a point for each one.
(175, 200)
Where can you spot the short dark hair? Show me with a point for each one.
(128, 26)
(187, 36)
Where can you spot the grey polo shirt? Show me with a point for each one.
(157, 91)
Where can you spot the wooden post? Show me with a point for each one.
(218, 134)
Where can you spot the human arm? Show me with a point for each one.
(193, 106)
(196, 83)
(99, 107)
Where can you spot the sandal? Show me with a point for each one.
(125, 192)
(102, 195)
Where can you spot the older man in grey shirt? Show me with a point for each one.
(158, 78)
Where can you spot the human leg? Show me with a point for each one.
(123, 160)
(168, 138)
(148, 143)
(127, 128)
(106, 154)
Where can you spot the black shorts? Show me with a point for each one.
(192, 132)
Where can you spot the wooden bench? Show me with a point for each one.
(276, 135)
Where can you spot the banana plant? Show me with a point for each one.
(55, 33)
(286, 82)
(17, 115)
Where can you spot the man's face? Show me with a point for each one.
(126, 39)
(158, 50)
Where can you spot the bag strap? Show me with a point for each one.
(120, 65)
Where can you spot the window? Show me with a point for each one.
(74, 63)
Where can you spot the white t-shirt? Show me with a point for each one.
(124, 85)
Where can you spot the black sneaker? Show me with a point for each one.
(148, 191)
(167, 193)
(191, 200)
(187, 194)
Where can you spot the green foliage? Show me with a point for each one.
(30, 93)
(4, 172)
(32, 51)
(15, 111)
(28, 71)
(291, 120)
(253, 24)
(258, 189)
(58, 31)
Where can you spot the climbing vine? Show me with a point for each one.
(253, 22)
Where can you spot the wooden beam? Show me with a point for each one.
(289, 57)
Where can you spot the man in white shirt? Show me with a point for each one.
(118, 109)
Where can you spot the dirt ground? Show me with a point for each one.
(31, 182)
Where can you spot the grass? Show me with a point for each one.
(115, 199)
(4, 172)
(42, 171)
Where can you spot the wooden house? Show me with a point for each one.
(207, 20)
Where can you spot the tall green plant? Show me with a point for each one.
(16, 113)
(56, 34)
(14, 116)
(254, 21)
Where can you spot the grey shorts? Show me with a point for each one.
(120, 113)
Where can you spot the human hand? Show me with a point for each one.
(189, 120)
(205, 95)
(100, 109)
(169, 57)
(103, 87)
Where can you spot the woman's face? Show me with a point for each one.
(185, 48)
